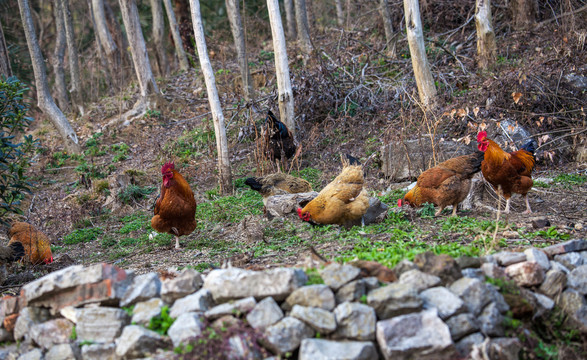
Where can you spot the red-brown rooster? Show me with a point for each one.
(36, 244)
(507, 172)
(175, 209)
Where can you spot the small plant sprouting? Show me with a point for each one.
(426, 211)
(313, 277)
(73, 335)
(162, 322)
(134, 193)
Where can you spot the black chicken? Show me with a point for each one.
(277, 138)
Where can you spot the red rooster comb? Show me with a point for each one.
(168, 166)
(300, 213)
(481, 136)
(399, 203)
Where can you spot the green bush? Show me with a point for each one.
(15, 147)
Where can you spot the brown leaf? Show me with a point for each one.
(476, 110)
(516, 96)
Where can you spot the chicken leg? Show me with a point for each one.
(176, 237)
(528, 210)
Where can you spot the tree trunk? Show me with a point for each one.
(99, 50)
(286, 100)
(106, 41)
(159, 37)
(76, 81)
(45, 101)
(486, 48)
(422, 73)
(236, 26)
(174, 28)
(138, 49)
(523, 13)
(58, 57)
(5, 68)
(303, 27)
(388, 26)
(218, 117)
(339, 13)
(348, 14)
(290, 18)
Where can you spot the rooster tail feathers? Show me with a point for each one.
(17, 251)
(530, 147)
(476, 160)
(253, 183)
(278, 125)
(351, 160)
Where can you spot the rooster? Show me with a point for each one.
(175, 209)
(277, 138)
(507, 172)
(341, 202)
(37, 247)
(278, 184)
(448, 183)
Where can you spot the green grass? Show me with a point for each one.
(568, 180)
(162, 322)
(311, 175)
(313, 277)
(133, 193)
(82, 235)
(232, 208)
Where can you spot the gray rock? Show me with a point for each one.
(319, 349)
(527, 273)
(498, 298)
(566, 247)
(415, 336)
(419, 280)
(286, 335)
(137, 342)
(100, 324)
(188, 282)
(493, 270)
(34, 354)
(63, 352)
(462, 325)
(570, 260)
(544, 304)
(187, 325)
(99, 352)
(5, 336)
(577, 279)
(52, 332)
(143, 287)
(504, 348)
(144, 311)
(403, 266)
(352, 291)
(355, 321)
(446, 303)
(201, 301)
(28, 317)
(443, 266)
(336, 275)
(473, 292)
(281, 205)
(376, 212)
(234, 283)
(242, 306)
(506, 258)
(466, 344)
(554, 283)
(579, 82)
(394, 299)
(473, 273)
(538, 256)
(491, 321)
(466, 262)
(264, 314)
(242, 347)
(318, 319)
(554, 265)
(371, 283)
(312, 295)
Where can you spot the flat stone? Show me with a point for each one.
(491, 321)
(312, 295)
(186, 326)
(187, 282)
(264, 314)
(34, 354)
(394, 299)
(100, 324)
(28, 317)
(541, 223)
(538, 256)
(466, 262)
(138, 342)
(99, 352)
(352, 291)
(143, 287)
(493, 270)
(420, 335)
(577, 279)
(321, 320)
(566, 247)
(554, 283)
(355, 321)
(336, 275)
(279, 206)
(286, 335)
(242, 346)
(506, 258)
(371, 283)
(446, 303)
(63, 352)
(544, 304)
(554, 265)
(527, 273)
(473, 292)
(570, 260)
(504, 348)
(52, 332)
(442, 265)
(242, 306)
(319, 349)
(419, 280)
(465, 345)
(462, 325)
(574, 305)
(200, 301)
(144, 311)
(473, 273)
(235, 283)
(403, 266)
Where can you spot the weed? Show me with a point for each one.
(313, 277)
(121, 152)
(129, 310)
(229, 208)
(133, 193)
(569, 180)
(73, 335)
(162, 322)
(426, 211)
(551, 233)
(192, 144)
(152, 114)
(391, 197)
(311, 175)
(82, 236)
(108, 241)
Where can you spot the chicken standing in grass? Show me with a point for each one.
(278, 184)
(175, 209)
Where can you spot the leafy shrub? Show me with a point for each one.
(161, 323)
(15, 154)
(134, 193)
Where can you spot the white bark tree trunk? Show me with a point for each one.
(106, 41)
(59, 56)
(45, 100)
(303, 27)
(424, 79)
(100, 51)
(5, 68)
(159, 37)
(486, 48)
(339, 13)
(388, 26)
(76, 79)
(236, 26)
(217, 116)
(138, 49)
(286, 100)
(290, 18)
(174, 28)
